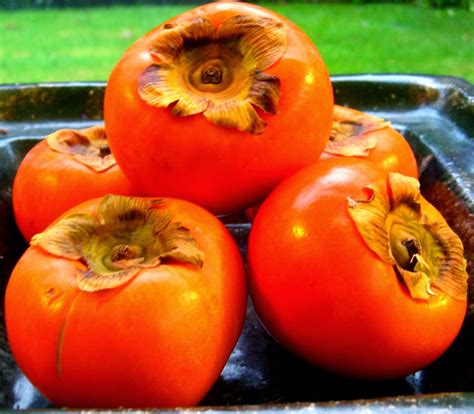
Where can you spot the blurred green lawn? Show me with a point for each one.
(84, 44)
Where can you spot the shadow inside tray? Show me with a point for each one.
(261, 372)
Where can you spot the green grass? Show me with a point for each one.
(84, 44)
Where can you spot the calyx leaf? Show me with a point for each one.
(351, 133)
(87, 146)
(216, 71)
(424, 250)
(126, 235)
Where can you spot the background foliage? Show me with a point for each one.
(20, 4)
(83, 44)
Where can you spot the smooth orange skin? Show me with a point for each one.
(393, 153)
(220, 168)
(161, 340)
(325, 296)
(49, 183)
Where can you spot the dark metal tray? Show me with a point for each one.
(436, 115)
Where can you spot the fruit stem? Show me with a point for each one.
(211, 74)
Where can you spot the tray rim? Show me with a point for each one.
(422, 402)
(375, 76)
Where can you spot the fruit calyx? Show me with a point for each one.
(425, 252)
(351, 132)
(126, 235)
(88, 146)
(216, 71)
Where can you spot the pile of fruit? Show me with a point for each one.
(133, 293)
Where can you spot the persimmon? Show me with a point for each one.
(354, 271)
(127, 302)
(361, 135)
(218, 105)
(67, 167)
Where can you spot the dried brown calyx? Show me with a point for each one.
(425, 252)
(218, 72)
(88, 146)
(350, 133)
(127, 235)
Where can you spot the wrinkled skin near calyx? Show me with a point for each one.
(220, 164)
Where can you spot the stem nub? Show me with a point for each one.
(211, 74)
(412, 247)
(125, 252)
